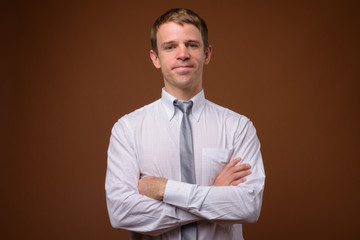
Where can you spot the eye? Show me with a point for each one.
(193, 45)
(170, 47)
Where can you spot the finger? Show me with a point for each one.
(239, 175)
(234, 162)
(237, 182)
(242, 167)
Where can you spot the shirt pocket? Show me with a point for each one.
(213, 162)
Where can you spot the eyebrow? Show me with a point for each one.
(193, 41)
(167, 43)
(188, 41)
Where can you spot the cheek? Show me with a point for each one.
(165, 64)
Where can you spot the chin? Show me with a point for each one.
(184, 82)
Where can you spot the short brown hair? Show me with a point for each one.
(179, 16)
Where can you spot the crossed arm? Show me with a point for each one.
(132, 203)
(231, 175)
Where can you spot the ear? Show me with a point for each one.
(155, 59)
(208, 54)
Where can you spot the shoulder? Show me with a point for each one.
(134, 118)
(224, 113)
(232, 121)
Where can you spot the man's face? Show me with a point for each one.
(181, 56)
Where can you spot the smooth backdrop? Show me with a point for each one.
(70, 69)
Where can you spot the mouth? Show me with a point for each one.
(183, 67)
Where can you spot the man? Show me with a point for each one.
(177, 167)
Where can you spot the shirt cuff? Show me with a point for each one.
(177, 193)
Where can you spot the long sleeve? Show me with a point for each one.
(127, 208)
(146, 143)
(236, 204)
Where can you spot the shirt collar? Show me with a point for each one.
(198, 104)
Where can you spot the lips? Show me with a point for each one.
(183, 67)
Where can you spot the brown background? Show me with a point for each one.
(71, 69)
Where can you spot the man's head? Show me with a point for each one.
(179, 16)
(180, 49)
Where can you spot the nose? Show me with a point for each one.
(183, 53)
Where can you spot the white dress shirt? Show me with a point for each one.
(146, 143)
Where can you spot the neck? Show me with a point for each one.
(182, 94)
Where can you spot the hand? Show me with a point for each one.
(232, 174)
(152, 187)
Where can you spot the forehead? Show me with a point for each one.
(172, 31)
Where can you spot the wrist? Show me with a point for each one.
(162, 186)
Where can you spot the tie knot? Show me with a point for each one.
(185, 107)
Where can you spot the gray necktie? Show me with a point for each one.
(188, 232)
